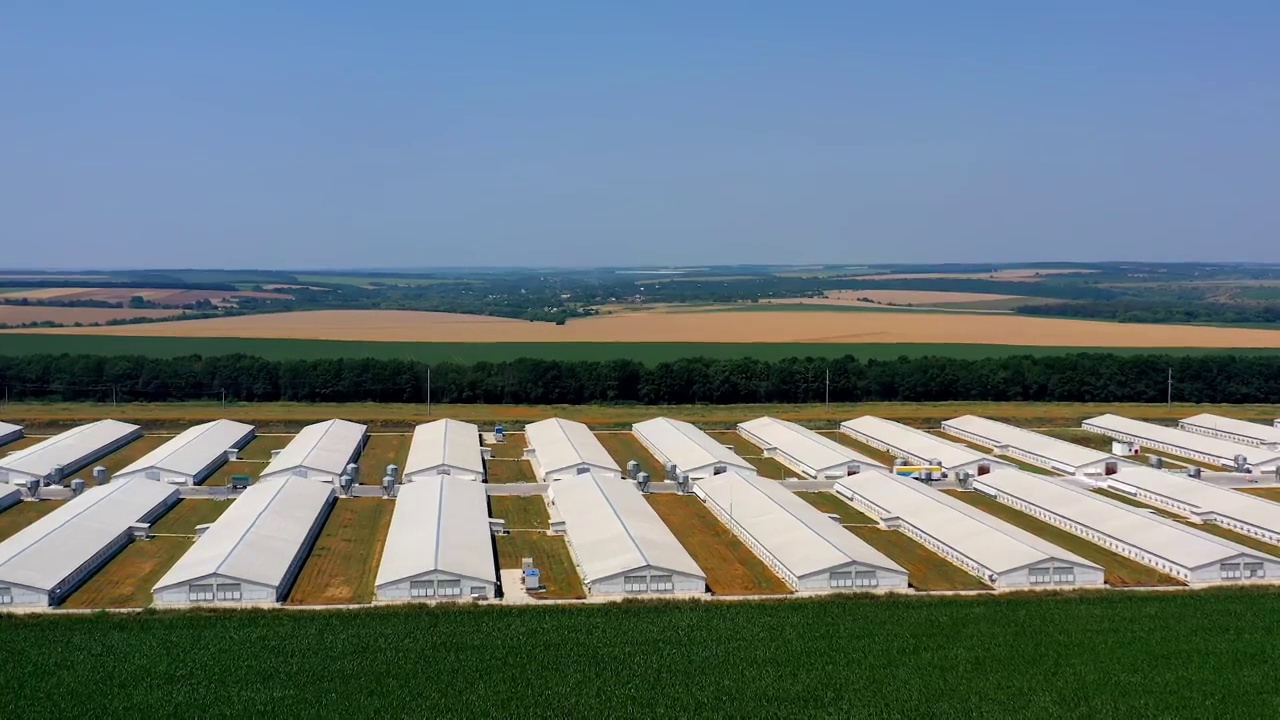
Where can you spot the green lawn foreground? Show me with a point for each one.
(1082, 654)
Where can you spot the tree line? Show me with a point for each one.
(1161, 311)
(1085, 377)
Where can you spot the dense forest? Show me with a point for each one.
(1067, 378)
(1161, 311)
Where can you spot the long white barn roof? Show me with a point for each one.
(43, 554)
(1177, 543)
(687, 446)
(1257, 433)
(440, 524)
(67, 448)
(1206, 496)
(806, 446)
(801, 537)
(997, 434)
(451, 443)
(613, 530)
(7, 429)
(903, 439)
(558, 444)
(1224, 450)
(257, 538)
(194, 448)
(325, 446)
(986, 539)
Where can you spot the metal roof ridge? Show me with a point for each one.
(609, 501)
(254, 522)
(204, 428)
(105, 496)
(794, 516)
(1139, 512)
(976, 515)
(56, 440)
(439, 519)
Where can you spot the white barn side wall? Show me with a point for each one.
(399, 590)
(1194, 576)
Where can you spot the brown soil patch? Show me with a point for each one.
(1012, 274)
(719, 326)
(344, 562)
(731, 567)
(19, 314)
(126, 581)
(918, 297)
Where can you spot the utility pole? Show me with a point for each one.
(224, 398)
(828, 389)
(113, 396)
(1169, 397)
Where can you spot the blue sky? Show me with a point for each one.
(326, 134)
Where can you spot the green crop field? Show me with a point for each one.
(1087, 655)
(648, 352)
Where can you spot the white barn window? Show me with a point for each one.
(1039, 576)
(841, 579)
(229, 591)
(1230, 571)
(450, 588)
(1064, 575)
(421, 588)
(1254, 570)
(659, 583)
(866, 579)
(6, 596)
(635, 583)
(199, 593)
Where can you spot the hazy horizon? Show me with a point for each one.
(317, 136)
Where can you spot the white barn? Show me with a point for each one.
(320, 452)
(560, 449)
(9, 432)
(619, 543)
(1244, 513)
(439, 546)
(809, 551)
(918, 446)
(1233, 430)
(254, 552)
(445, 447)
(9, 496)
(1000, 554)
(1195, 557)
(46, 561)
(808, 453)
(193, 455)
(1032, 447)
(1182, 443)
(61, 455)
(692, 451)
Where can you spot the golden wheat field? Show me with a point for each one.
(901, 297)
(720, 326)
